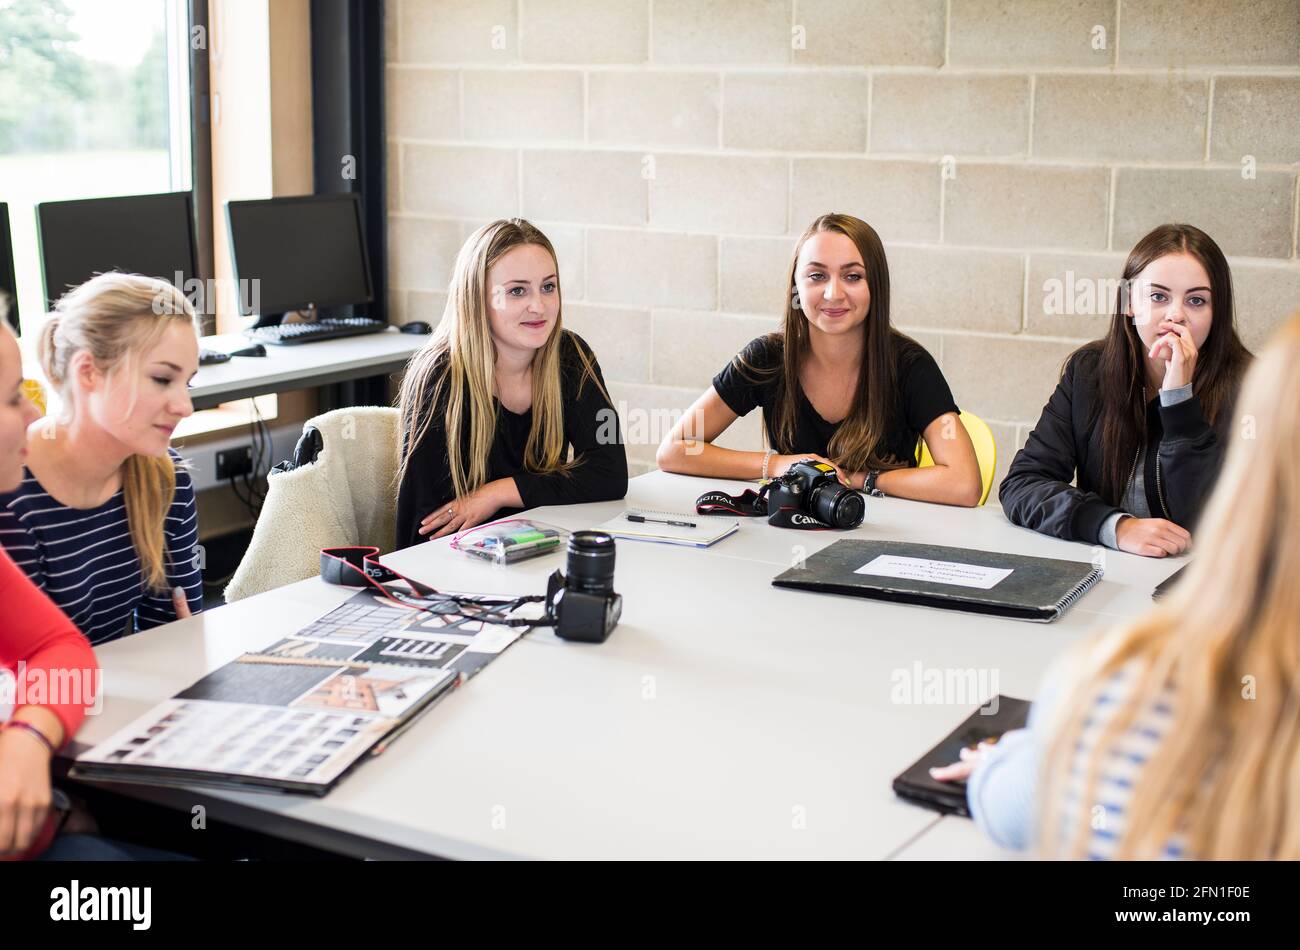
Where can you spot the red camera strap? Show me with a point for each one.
(360, 567)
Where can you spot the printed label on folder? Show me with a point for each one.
(936, 572)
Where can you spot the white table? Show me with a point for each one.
(284, 367)
(723, 718)
(298, 367)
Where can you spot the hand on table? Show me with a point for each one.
(462, 513)
(970, 761)
(1151, 537)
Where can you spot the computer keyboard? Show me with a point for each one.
(291, 334)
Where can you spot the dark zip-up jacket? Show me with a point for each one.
(1066, 445)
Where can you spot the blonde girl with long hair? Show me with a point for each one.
(503, 409)
(1178, 735)
(104, 520)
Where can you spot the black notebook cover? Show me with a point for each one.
(1037, 588)
(1167, 584)
(915, 784)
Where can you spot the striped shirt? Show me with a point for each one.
(1002, 792)
(84, 559)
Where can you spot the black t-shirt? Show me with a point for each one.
(923, 396)
(590, 428)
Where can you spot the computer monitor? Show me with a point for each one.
(141, 234)
(8, 282)
(304, 252)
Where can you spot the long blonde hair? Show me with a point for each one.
(1223, 651)
(116, 318)
(455, 370)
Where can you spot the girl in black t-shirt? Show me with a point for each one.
(836, 384)
(495, 401)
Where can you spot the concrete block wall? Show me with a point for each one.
(674, 149)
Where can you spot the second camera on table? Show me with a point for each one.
(583, 601)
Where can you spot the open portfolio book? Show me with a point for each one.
(299, 714)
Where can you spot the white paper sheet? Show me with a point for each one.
(937, 572)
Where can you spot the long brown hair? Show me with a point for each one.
(1121, 409)
(116, 318)
(856, 443)
(454, 373)
(1222, 651)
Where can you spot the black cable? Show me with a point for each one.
(486, 615)
(254, 503)
(246, 497)
(243, 499)
(253, 495)
(260, 451)
(250, 474)
(268, 448)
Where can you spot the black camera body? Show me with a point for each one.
(813, 491)
(583, 603)
(587, 618)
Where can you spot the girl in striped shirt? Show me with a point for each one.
(104, 521)
(1177, 735)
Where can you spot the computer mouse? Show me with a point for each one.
(256, 349)
(416, 326)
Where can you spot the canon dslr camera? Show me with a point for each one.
(583, 603)
(813, 488)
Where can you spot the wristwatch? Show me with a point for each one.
(869, 484)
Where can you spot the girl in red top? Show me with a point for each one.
(42, 655)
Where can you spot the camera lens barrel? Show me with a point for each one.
(838, 506)
(590, 562)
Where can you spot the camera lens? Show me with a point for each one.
(590, 566)
(838, 506)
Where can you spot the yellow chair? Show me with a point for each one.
(986, 450)
(35, 394)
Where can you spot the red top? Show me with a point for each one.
(33, 630)
(58, 659)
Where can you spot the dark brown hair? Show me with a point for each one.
(857, 440)
(1121, 369)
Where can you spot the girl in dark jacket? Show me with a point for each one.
(1139, 419)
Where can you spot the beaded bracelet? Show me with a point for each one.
(29, 728)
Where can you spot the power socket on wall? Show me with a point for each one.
(231, 463)
(212, 463)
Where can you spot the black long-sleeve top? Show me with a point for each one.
(1066, 444)
(591, 430)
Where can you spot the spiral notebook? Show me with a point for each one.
(932, 575)
(670, 527)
